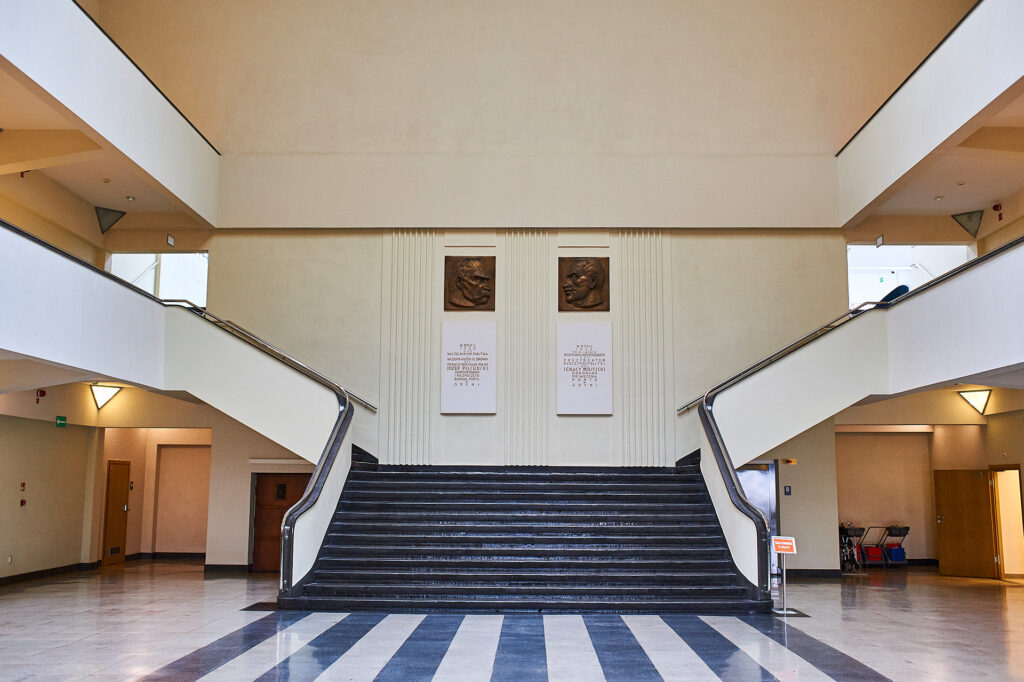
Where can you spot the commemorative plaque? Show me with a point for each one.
(468, 384)
(584, 368)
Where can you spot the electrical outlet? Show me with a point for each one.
(10, 558)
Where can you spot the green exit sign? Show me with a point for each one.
(62, 422)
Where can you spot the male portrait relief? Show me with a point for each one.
(469, 282)
(583, 284)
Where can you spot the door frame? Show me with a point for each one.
(996, 518)
(106, 515)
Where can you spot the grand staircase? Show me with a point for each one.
(549, 539)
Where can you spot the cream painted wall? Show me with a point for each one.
(364, 307)
(885, 479)
(959, 447)
(41, 207)
(182, 498)
(237, 453)
(129, 445)
(810, 513)
(54, 465)
(534, 114)
(140, 446)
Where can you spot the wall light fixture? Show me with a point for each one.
(977, 399)
(103, 394)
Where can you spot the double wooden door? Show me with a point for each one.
(275, 494)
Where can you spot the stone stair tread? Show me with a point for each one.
(491, 539)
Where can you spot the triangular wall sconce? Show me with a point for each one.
(977, 399)
(103, 394)
(106, 217)
(970, 221)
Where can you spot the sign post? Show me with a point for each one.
(782, 546)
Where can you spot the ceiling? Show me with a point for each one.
(982, 170)
(83, 173)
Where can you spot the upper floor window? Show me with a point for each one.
(875, 271)
(165, 275)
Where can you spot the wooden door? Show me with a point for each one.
(275, 494)
(115, 526)
(966, 528)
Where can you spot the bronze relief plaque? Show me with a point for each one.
(583, 284)
(469, 282)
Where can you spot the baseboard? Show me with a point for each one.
(197, 556)
(814, 573)
(32, 575)
(1014, 576)
(225, 570)
(923, 562)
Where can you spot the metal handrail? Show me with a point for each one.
(323, 467)
(714, 434)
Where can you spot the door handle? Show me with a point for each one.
(938, 519)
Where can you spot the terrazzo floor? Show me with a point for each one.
(164, 620)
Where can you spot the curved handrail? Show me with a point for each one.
(323, 468)
(739, 499)
(714, 434)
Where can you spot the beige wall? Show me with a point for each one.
(237, 453)
(47, 210)
(570, 112)
(885, 479)
(809, 514)
(182, 499)
(959, 447)
(54, 463)
(364, 308)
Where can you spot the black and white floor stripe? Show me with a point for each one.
(290, 645)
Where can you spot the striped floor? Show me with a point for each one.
(292, 645)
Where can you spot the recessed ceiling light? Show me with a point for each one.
(939, 197)
(960, 183)
(130, 197)
(106, 180)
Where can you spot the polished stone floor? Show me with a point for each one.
(163, 620)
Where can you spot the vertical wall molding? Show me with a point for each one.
(645, 428)
(526, 328)
(410, 309)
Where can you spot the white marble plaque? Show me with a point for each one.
(584, 368)
(468, 384)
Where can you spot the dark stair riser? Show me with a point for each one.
(368, 564)
(532, 507)
(476, 605)
(498, 552)
(552, 498)
(607, 577)
(527, 540)
(518, 486)
(561, 516)
(516, 591)
(573, 529)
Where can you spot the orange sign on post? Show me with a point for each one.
(783, 545)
